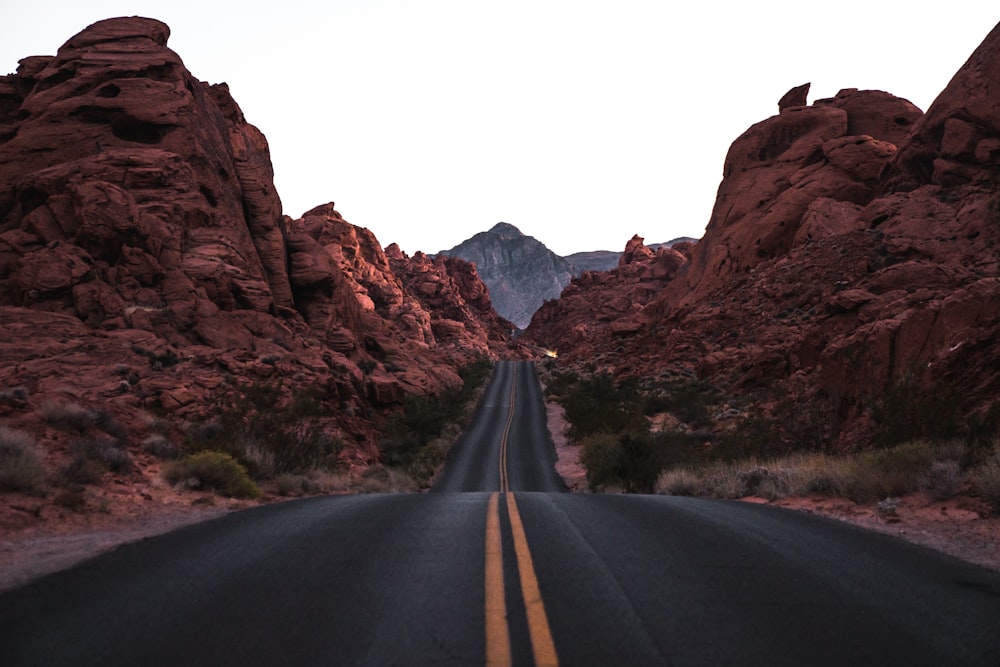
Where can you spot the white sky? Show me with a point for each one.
(581, 122)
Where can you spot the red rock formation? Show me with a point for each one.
(139, 221)
(854, 246)
(458, 303)
(611, 303)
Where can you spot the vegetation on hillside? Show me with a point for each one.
(680, 436)
(418, 438)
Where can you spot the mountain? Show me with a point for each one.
(522, 273)
(847, 287)
(147, 273)
(519, 270)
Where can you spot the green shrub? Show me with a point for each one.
(212, 470)
(21, 467)
(415, 439)
(688, 401)
(599, 405)
(632, 462)
(600, 455)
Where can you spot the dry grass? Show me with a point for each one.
(867, 477)
(70, 416)
(986, 480)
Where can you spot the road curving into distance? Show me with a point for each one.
(499, 566)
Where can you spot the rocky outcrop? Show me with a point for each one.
(450, 290)
(780, 170)
(520, 272)
(142, 237)
(853, 249)
(612, 303)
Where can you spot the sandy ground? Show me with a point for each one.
(960, 527)
(38, 538)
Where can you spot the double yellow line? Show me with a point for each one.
(498, 652)
(504, 480)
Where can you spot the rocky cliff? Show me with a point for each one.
(852, 256)
(146, 268)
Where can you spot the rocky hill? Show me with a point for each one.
(146, 270)
(519, 270)
(848, 281)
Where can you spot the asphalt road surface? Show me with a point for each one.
(497, 566)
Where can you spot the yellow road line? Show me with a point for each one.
(542, 646)
(497, 636)
(504, 481)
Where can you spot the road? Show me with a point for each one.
(497, 566)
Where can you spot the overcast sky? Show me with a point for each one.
(582, 123)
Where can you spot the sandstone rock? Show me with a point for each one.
(140, 230)
(796, 97)
(853, 248)
(944, 147)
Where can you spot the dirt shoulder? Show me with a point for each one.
(961, 527)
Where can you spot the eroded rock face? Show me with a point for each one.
(853, 247)
(599, 304)
(957, 141)
(137, 208)
(833, 150)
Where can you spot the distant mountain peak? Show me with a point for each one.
(505, 229)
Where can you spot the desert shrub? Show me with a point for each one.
(770, 483)
(416, 438)
(943, 479)
(21, 467)
(381, 479)
(560, 383)
(266, 432)
(894, 471)
(217, 471)
(71, 416)
(91, 458)
(600, 455)
(630, 461)
(160, 446)
(598, 405)
(71, 499)
(986, 481)
(106, 422)
(820, 474)
(688, 401)
(679, 482)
